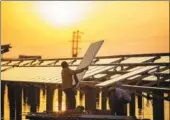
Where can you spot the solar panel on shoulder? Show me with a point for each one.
(88, 57)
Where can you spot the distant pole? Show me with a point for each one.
(75, 41)
(73, 45)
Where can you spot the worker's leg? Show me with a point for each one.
(113, 104)
(120, 109)
(68, 98)
(73, 99)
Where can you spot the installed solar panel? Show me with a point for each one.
(137, 59)
(4, 68)
(123, 77)
(36, 62)
(77, 62)
(3, 62)
(95, 68)
(134, 77)
(36, 74)
(146, 88)
(48, 62)
(163, 59)
(13, 62)
(60, 61)
(99, 75)
(100, 69)
(150, 78)
(25, 62)
(53, 74)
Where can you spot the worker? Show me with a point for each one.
(67, 84)
(118, 98)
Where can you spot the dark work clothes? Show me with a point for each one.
(113, 103)
(117, 106)
(70, 98)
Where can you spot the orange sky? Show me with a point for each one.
(126, 27)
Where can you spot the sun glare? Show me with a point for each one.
(63, 13)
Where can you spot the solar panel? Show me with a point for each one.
(134, 77)
(4, 67)
(13, 62)
(25, 62)
(103, 61)
(88, 57)
(4, 62)
(60, 61)
(99, 75)
(77, 62)
(53, 74)
(123, 77)
(36, 62)
(146, 88)
(137, 59)
(99, 70)
(150, 78)
(36, 74)
(166, 71)
(48, 62)
(163, 59)
(114, 76)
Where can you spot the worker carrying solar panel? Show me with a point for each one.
(118, 98)
(67, 84)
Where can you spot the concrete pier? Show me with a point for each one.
(32, 98)
(158, 106)
(90, 97)
(12, 103)
(104, 98)
(2, 99)
(132, 105)
(50, 95)
(18, 102)
(59, 99)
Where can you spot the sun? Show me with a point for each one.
(63, 13)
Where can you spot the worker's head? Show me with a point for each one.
(64, 64)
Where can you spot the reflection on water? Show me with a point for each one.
(34, 99)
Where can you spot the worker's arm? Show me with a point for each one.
(79, 70)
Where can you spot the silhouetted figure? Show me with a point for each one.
(118, 98)
(67, 84)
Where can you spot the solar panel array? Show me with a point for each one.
(49, 71)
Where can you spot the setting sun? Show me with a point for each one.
(63, 13)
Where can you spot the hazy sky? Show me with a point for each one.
(45, 28)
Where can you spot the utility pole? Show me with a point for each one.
(75, 42)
